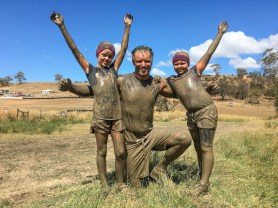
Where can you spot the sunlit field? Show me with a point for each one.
(48, 160)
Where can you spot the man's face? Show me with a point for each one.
(180, 67)
(143, 63)
(105, 58)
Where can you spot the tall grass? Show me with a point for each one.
(39, 125)
(245, 175)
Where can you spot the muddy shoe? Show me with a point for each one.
(199, 189)
(161, 176)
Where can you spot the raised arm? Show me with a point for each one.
(59, 21)
(203, 62)
(80, 90)
(128, 18)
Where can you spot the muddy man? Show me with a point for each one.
(138, 92)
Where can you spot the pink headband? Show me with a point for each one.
(181, 57)
(101, 48)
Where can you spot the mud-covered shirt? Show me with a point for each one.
(138, 100)
(106, 95)
(189, 90)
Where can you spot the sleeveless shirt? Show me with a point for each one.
(190, 91)
(106, 95)
(138, 100)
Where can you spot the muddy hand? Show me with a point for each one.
(64, 85)
(57, 18)
(128, 18)
(223, 26)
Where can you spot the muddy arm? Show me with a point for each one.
(203, 62)
(59, 21)
(80, 90)
(128, 18)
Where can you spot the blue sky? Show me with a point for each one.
(31, 43)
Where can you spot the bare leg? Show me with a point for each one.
(101, 157)
(207, 163)
(119, 150)
(206, 138)
(194, 132)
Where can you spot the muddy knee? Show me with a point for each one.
(184, 139)
(120, 154)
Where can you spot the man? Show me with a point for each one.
(138, 92)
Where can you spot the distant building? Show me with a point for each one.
(46, 92)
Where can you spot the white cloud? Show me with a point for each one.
(248, 63)
(128, 56)
(175, 51)
(117, 47)
(233, 44)
(163, 63)
(156, 71)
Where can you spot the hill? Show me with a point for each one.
(34, 89)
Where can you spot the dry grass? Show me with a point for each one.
(47, 170)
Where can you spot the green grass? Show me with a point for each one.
(38, 126)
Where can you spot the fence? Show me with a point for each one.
(22, 114)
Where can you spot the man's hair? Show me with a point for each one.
(142, 48)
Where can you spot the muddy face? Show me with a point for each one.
(143, 63)
(180, 67)
(105, 58)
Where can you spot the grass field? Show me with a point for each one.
(49, 169)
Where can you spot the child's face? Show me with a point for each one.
(180, 67)
(105, 58)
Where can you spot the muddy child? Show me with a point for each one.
(107, 117)
(202, 114)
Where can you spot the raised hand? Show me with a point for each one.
(213, 89)
(64, 85)
(223, 27)
(57, 18)
(128, 18)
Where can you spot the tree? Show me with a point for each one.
(20, 77)
(269, 63)
(258, 81)
(241, 72)
(242, 90)
(216, 68)
(5, 80)
(164, 104)
(226, 87)
(58, 77)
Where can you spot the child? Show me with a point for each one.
(201, 112)
(107, 116)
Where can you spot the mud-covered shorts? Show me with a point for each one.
(106, 126)
(202, 124)
(139, 151)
